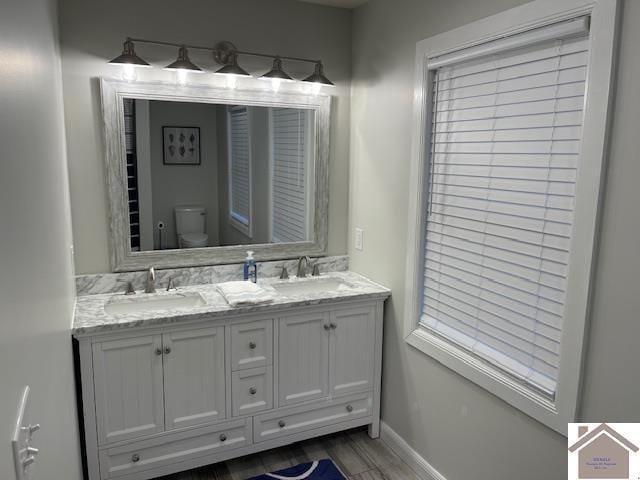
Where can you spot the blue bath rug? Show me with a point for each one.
(319, 470)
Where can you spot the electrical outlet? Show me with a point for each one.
(359, 240)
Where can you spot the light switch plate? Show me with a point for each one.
(359, 239)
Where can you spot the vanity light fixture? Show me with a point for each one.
(318, 76)
(182, 66)
(277, 72)
(129, 56)
(277, 75)
(129, 61)
(184, 62)
(232, 68)
(226, 54)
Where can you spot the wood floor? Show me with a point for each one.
(358, 456)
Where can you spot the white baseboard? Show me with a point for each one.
(419, 465)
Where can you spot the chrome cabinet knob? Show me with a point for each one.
(253, 390)
(333, 326)
(281, 423)
(349, 408)
(158, 351)
(223, 437)
(167, 350)
(135, 458)
(326, 327)
(252, 345)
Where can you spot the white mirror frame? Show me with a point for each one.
(122, 257)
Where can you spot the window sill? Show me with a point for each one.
(491, 379)
(243, 228)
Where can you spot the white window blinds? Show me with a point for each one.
(289, 200)
(506, 134)
(239, 165)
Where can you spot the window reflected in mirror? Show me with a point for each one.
(206, 175)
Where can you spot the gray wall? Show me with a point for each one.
(93, 32)
(174, 185)
(36, 271)
(462, 430)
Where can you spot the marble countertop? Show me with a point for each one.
(90, 316)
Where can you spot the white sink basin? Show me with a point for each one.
(149, 303)
(309, 286)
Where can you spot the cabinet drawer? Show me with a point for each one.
(252, 390)
(308, 417)
(170, 449)
(251, 344)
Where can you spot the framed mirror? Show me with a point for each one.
(198, 175)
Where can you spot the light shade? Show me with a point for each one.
(318, 76)
(231, 67)
(183, 62)
(277, 72)
(129, 57)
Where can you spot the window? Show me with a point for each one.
(506, 194)
(289, 153)
(239, 169)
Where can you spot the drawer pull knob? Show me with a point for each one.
(326, 327)
(167, 350)
(223, 437)
(253, 390)
(333, 326)
(135, 458)
(349, 408)
(252, 345)
(281, 423)
(158, 351)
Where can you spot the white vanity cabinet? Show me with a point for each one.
(173, 396)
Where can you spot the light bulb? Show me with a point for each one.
(231, 81)
(275, 84)
(315, 88)
(181, 76)
(129, 73)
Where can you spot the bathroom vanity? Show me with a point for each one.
(178, 379)
(170, 384)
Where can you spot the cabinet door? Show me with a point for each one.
(352, 347)
(303, 358)
(194, 376)
(128, 388)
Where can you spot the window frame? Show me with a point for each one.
(562, 409)
(235, 219)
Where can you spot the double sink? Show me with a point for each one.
(186, 300)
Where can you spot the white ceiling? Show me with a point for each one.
(338, 3)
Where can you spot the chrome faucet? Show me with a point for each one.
(151, 281)
(302, 270)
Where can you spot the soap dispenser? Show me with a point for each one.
(250, 268)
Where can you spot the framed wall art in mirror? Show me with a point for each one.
(181, 145)
(257, 176)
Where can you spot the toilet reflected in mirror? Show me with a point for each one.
(190, 226)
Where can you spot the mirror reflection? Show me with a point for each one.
(207, 175)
